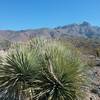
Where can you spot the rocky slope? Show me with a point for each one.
(93, 90)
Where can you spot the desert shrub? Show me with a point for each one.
(45, 70)
(5, 44)
(97, 52)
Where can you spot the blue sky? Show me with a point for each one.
(27, 14)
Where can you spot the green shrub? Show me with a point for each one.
(45, 70)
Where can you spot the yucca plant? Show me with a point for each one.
(62, 72)
(43, 70)
(17, 70)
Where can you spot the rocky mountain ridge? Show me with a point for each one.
(85, 30)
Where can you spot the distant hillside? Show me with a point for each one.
(84, 29)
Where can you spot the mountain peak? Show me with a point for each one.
(85, 23)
